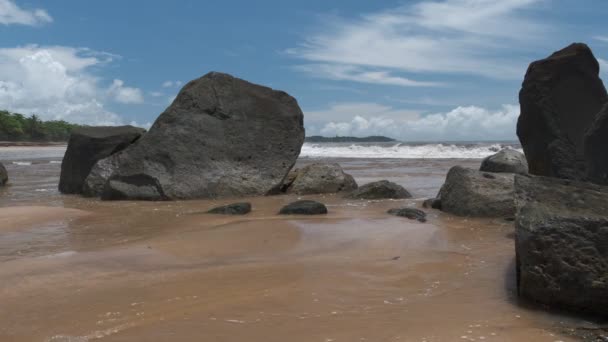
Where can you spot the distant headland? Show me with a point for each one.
(374, 138)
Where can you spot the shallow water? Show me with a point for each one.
(77, 269)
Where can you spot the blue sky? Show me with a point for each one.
(415, 70)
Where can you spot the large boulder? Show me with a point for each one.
(322, 178)
(221, 137)
(596, 155)
(380, 190)
(3, 175)
(88, 145)
(560, 98)
(507, 160)
(562, 243)
(468, 192)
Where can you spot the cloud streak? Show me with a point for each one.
(11, 14)
(469, 37)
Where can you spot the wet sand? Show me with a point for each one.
(133, 271)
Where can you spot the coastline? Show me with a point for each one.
(32, 143)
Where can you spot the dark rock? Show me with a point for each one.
(560, 98)
(596, 142)
(86, 146)
(433, 203)
(322, 178)
(469, 192)
(221, 137)
(135, 187)
(99, 176)
(380, 190)
(304, 207)
(411, 213)
(562, 243)
(232, 209)
(288, 181)
(507, 160)
(3, 175)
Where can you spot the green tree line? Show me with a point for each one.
(18, 127)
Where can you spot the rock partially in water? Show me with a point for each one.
(3, 175)
(411, 213)
(322, 178)
(304, 207)
(99, 175)
(562, 243)
(560, 99)
(380, 190)
(221, 137)
(432, 203)
(596, 142)
(468, 192)
(507, 160)
(88, 145)
(242, 208)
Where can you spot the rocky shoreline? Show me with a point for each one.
(224, 138)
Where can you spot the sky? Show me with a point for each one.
(440, 70)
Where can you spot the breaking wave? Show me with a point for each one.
(405, 150)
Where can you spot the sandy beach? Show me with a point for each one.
(76, 269)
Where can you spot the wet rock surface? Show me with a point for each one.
(562, 243)
(468, 192)
(410, 213)
(380, 190)
(304, 207)
(232, 209)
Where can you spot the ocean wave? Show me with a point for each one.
(22, 163)
(403, 151)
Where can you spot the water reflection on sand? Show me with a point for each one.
(133, 271)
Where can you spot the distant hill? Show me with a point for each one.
(320, 139)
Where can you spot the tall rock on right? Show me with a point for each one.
(560, 98)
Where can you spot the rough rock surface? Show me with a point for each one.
(3, 175)
(507, 160)
(221, 137)
(304, 207)
(380, 190)
(86, 146)
(99, 175)
(468, 192)
(596, 142)
(560, 99)
(232, 209)
(562, 243)
(322, 178)
(411, 213)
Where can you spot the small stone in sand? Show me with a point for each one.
(304, 207)
(411, 213)
(232, 209)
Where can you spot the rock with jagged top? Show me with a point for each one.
(221, 137)
(88, 145)
(560, 98)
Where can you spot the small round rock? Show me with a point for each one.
(304, 207)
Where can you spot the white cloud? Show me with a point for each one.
(55, 83)
(601, 38)
(603, 65)
(10, 13)
(357, 74)
(472, 37)
(126, 95)
(169, 84)
(156, 94)
(462, 123)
